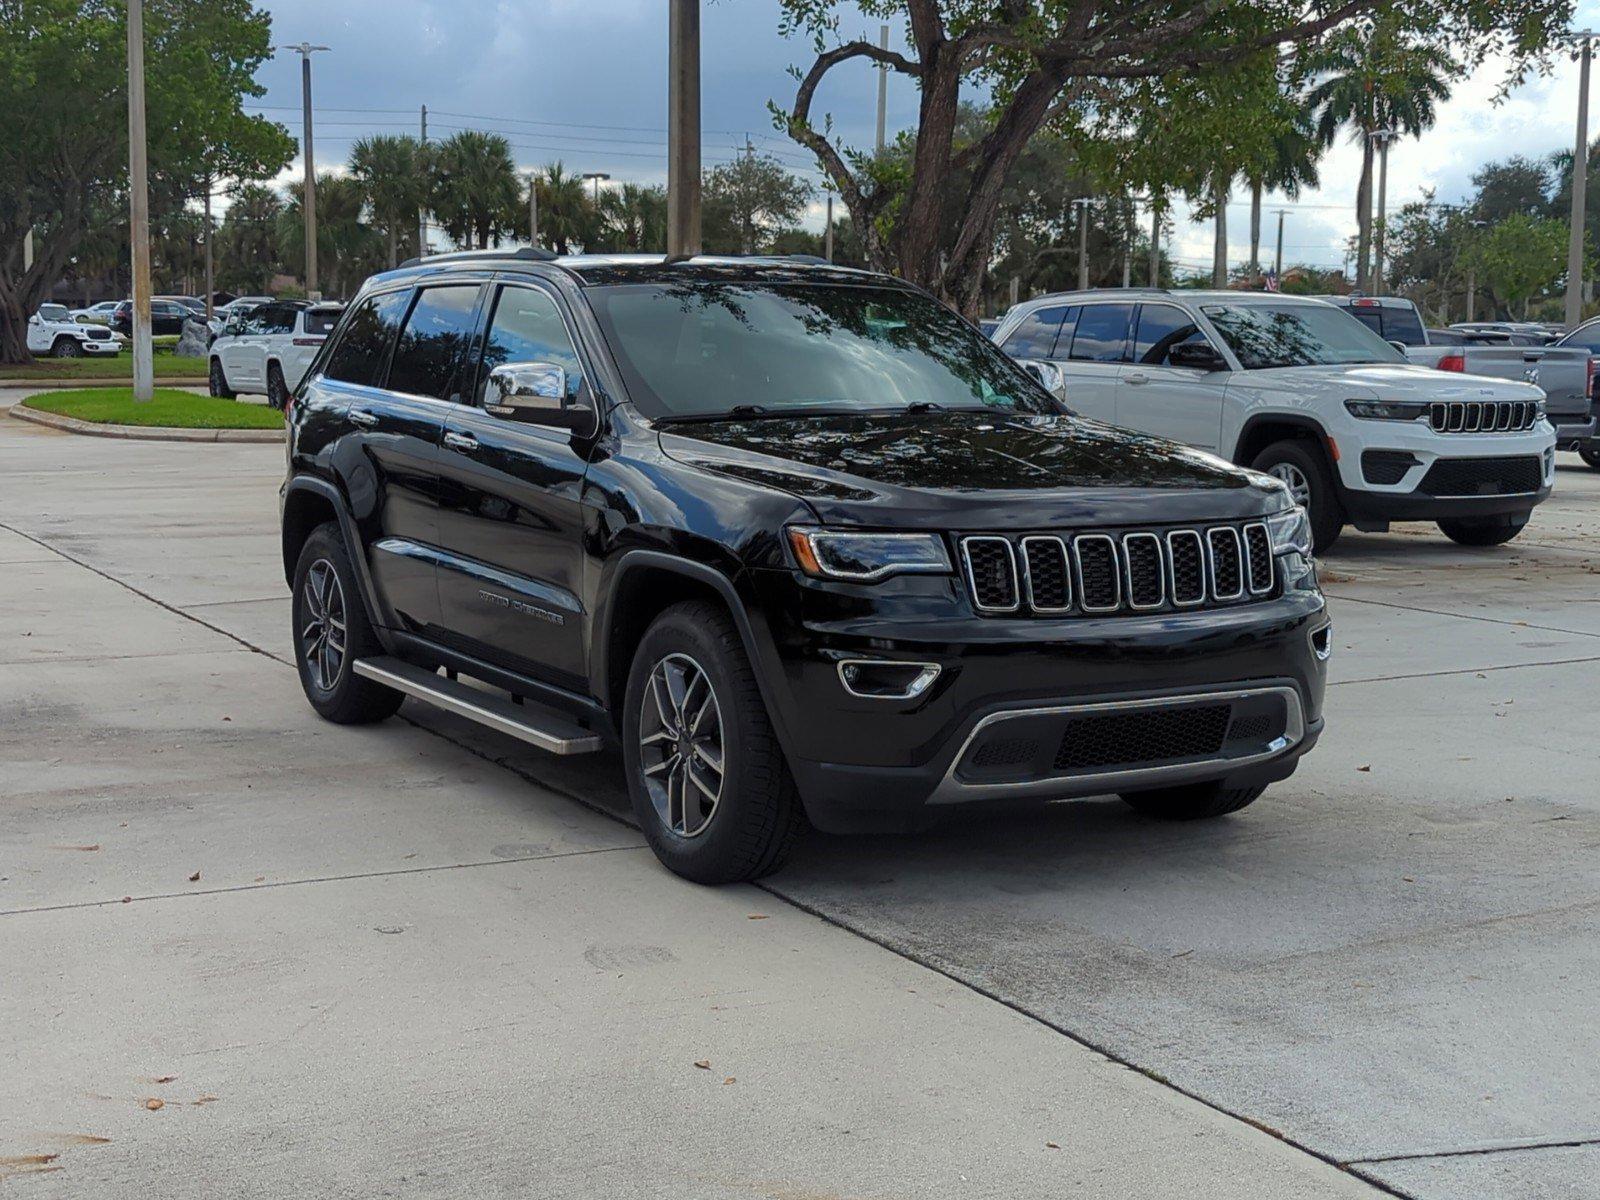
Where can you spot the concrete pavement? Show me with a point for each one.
(1390, 960)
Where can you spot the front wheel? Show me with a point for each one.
(1192, 802)
(1302, 468)
(1590, 453)
(67, 348)
(1494, 531)
(331, 631)
(219, 382)
(710, 787)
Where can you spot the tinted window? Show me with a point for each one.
(1036, 336)
(1370, 317)
(1297, 335)
(1585, 337)
(1102, 333)
(1403, 325)
(273, 319)
(527, 327)
(358, 355)
(1161, 327)
(432, 341)
(322, 320)
(697, 348)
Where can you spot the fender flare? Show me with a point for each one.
(763, 657)
(1298, 420)
(326, 490)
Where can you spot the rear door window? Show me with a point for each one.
(358, 355)
(1102, 333)
(1161, 327)
(432, 343)
(1039, 333)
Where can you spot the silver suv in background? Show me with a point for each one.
(1296, 388)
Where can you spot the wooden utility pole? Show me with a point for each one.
(139, 208)
(683, 128)
(883, 91)
(211, 278)
(422, 213)
(1580, 180)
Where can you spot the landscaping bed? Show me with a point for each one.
(168, 409)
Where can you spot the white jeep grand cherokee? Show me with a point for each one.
(1305, 392)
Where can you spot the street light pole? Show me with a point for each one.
(1082, 205)
(1155, 242)
(596, 177)
(308, 201)
(1383, 137)
(533, 209)
(422, 211)
(683, 128)
(211, 283)
(1580, 179)
(827, 233)
(139, 208)
(883, 90)
(1277, 262)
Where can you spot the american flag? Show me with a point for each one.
(1270, 280)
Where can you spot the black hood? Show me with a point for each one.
(972, 469)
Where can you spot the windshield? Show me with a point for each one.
(702, 349)
(1297, 335)
(54, 312)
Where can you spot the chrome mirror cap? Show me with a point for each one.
(528, 391)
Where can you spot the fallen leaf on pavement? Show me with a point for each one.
(85, 849)
(163, 1079)
(1368, 767)
(728, 1080)
(1051, 1146)
(758, 916)
(127, 899)
(154, 1104)
(205, 1100)
(703, 1063)
(195, 878)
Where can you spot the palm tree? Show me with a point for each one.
(566, 214)
(1289, 165)
(247, 242)
(474, 190)
(635, 217)
(1377, 77)
(348, 249)
(394, 178)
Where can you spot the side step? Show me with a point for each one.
(530, 723)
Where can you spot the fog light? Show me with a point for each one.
(881, 679)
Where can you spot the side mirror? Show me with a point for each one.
(534, 392)
(1398, 345)
(34, 320)
(1201, 356)
(1049, 377)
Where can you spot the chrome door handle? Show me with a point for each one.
(363, 418)
(1136, 377)
(460, 441)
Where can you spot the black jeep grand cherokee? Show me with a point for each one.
(798, 538)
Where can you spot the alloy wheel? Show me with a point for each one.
(1295, 479)
(680, 745)
(322, 640)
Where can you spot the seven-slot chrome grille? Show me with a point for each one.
(1488, 416)
(1094, 574)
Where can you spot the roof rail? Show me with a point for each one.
(809, 259)
(525, 253)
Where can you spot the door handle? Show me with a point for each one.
(1136, 377)
(460, 441)
(363, 418)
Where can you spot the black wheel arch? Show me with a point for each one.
(309, 502)
(1263, 429)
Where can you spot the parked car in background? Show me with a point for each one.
(1296, 388)
(1499, 350)
(267, 349)
(166, 317)
(96, 314)
(1543, 334)
(52, 331)
(796, 538)
(1587, 337)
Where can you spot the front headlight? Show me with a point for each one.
(1387, 410)
(867, 557)
(1290, 531)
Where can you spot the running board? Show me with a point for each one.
(529, 723)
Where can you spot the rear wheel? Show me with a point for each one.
(709, 784)
(1490, 531)
(331, 631)
(277, 390)
(1590, 453)
(219, 382)
(1299, 464)
(67, 347)
(1192, 802)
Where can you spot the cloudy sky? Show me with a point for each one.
(584, 81)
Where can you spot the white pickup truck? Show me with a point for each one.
(1564, 373)
(1293, 387)
(52, 331)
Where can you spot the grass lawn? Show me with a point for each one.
(167, 366)
(170, 408)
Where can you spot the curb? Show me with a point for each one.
(39, 385)
(153, 433)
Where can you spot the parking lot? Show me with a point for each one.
(420, 959)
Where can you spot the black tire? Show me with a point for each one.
(1304, 457)
(336, 691)
(1192, 802)
(1590, 453)
(756, 818)
(67, 347)
(277, 390)
(219, 382)
(1488, 531)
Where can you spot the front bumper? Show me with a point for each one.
(105, 349)
(874, 764)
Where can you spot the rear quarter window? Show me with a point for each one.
(359, 354)
(1037, 334)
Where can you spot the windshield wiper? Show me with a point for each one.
(924, 406)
